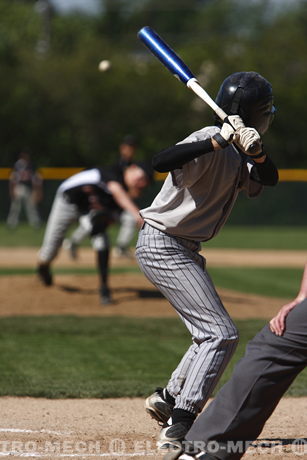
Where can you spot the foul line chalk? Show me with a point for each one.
(41, 455)
(19, 430)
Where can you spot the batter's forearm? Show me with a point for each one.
(178, 155)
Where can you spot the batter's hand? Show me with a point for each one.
(230, 125)
(247, 137)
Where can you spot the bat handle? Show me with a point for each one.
(197, 89)
(254, 148)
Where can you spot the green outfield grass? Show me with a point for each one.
(230, 237)
(272, 282)
(275, 237)
(112, 357)
(91, 357)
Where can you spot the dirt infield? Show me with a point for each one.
(119, 428)
(133, 294)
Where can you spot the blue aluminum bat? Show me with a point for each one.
(165, 54)
(176, 66)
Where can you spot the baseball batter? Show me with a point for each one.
(207, 171)
(95, 196)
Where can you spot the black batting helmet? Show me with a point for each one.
(249, 95)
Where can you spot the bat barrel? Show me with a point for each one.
(165, 54)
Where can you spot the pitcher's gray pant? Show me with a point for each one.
(125, 233)
(61, 216)
(176, 268)
(243, 405)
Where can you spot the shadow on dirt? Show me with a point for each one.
(125, 293)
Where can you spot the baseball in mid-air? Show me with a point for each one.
(104, 65)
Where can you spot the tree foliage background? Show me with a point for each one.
(56, 103)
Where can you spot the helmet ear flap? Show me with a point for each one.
(236, 107)
(247, 94)
(230, 94)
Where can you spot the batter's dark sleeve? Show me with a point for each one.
(176, 156)
(265, 173)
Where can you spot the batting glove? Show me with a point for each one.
(230, 125)
(235, 121)
(248, 140)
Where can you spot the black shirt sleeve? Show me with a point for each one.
(265, 173)
(176, 156)
(112, 173)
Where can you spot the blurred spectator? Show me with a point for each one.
(127, 152)
(25, 187)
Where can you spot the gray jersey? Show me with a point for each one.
(195, 201)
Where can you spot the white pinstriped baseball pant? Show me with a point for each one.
(176, 268)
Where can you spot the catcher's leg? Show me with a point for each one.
(260, 378)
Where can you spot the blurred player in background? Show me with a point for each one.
(26, 191)
(207, 171)
(96, 196)
(127, 152)
(236, 416)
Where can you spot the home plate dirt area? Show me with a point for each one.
(120, 428)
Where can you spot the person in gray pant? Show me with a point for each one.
(236, 417)
(206, 173)
(26, 190)
(95, 196)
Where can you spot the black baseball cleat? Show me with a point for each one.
(44, 274)
(157, 406)
(171, 436)
(105, 296)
